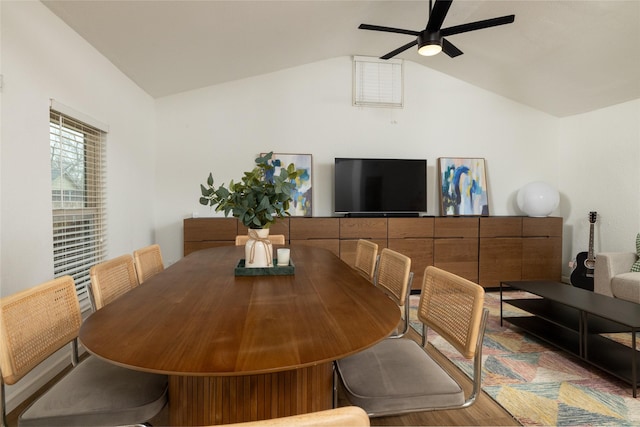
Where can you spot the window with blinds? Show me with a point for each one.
(377, 83)
(78, 165)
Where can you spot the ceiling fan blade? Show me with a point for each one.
(399, 50)
(478, 25)
(437, 14)
(450, 49)
(388, 29)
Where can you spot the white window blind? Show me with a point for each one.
(78, 165)
(377, 83)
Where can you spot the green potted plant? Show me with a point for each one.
(258, 200)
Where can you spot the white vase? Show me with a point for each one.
(258, 250)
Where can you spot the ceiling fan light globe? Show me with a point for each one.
(430, 49)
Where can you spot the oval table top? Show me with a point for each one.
(197, 318)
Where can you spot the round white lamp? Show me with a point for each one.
(538, 199)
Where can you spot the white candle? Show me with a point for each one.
(283, 256)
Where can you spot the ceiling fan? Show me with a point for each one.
(432, 40)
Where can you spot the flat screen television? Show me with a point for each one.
(380, 186)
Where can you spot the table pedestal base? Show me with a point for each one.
(230, 399)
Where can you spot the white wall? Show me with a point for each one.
(599, 161)
(590, 158)
(43, 58)
(308, 109)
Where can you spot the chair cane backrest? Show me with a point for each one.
(366, 257)
(453, 307)
(399, 376)
(111, 279)
(36, 323)
(275, 239)
(346, 416)
(394, 271)
(148, 262)
(394, 278)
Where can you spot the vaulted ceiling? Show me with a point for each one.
(561, 57)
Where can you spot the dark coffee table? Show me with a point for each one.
(573, 320)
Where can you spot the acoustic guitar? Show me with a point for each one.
(582, 275)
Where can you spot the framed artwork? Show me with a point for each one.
(301, 204)
(463, 186)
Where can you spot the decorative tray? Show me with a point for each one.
(276, 270)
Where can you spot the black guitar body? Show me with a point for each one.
(582, 277)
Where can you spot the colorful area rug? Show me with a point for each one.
(538, 384)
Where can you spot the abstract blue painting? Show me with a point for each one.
(301, 204)
(463, 186)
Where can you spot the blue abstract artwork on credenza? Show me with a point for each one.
(463, 186)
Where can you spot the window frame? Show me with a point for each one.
(79, 217)
(377, 82)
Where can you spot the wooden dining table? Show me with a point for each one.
(242, 348)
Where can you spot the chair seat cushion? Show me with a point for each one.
(97, 393)
(396, 376)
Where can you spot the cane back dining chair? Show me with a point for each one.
(366, 258)
(35, 324)
(275, 239)
(394, 278)
(346, 416)
(111, 279)
(398, 376)
(148, 262)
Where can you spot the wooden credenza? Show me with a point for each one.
(523, 247)
(485, 250)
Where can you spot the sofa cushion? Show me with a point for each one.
(626, 286)
(636, 265)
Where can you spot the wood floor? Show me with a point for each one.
(485, 412)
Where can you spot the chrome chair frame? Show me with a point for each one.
(453, 307)
(38, 322)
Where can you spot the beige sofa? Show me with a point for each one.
(613, 278)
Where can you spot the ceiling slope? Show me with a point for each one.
(560, 57)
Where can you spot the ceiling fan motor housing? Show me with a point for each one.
(430, 41)
(429, 38)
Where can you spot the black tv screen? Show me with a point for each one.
(380, 185)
